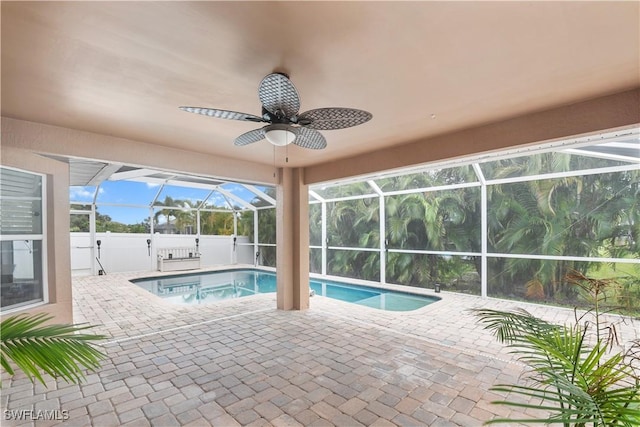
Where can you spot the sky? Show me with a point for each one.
(141, 194)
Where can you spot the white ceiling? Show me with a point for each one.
(123, 68)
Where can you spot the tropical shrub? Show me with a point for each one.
(574, 374)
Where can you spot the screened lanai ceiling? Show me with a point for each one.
(624, 151)
(605, 153)
(421, 68)
(594, 154)
(90, 178)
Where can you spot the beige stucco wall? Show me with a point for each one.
(292, 235)
(58, 273)
(55, 140)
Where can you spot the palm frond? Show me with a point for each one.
(574, 383)
(509, 327)
(58, 350)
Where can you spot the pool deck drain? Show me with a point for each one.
(242, 362)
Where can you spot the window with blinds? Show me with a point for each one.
(21, 238)
(21, 195)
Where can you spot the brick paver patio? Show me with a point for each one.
(242, 362)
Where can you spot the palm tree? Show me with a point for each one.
(58, 350)
(170, 211)
(354, 224)
(577, 216)
(185, 218)
(440, 221)
(218, 223)
(181, 211)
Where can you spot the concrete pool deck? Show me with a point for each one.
(242, 362)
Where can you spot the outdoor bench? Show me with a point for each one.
(173, 259)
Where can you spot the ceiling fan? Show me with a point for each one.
(280, 106)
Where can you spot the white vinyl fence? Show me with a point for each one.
(121, 252)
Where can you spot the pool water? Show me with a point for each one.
(203, 288)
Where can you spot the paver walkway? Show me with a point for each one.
(242, 362)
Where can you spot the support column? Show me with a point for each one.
(292, 237)
(484, 229)
(234, 255)
(256, 235)
(92, 237)
(382, 230)
(383, 241)
(153, 259)
(484, 224)
(325, 243)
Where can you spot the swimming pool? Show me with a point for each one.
(202, 288)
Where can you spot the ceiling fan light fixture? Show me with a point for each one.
(280, 108)
(279, 136)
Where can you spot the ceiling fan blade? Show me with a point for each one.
(277, 93)
(223, 114)
(333, 118)
(309, 138)
(249, 137)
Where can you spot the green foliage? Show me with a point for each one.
(180, 216)
(266, 229)
(80, 223)
(439, 220)
(583, 216)
(355, 224)
(315, 260)
(578, 216)
(216, 223)
(58, 350)
(315, 224)
(179, 213)
(266, 221)
(576, 382)
(245, 225)
(357, 264)
(268, 256)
